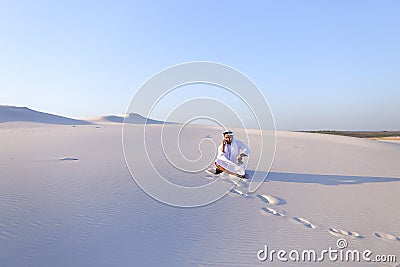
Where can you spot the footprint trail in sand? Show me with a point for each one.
(278, 201)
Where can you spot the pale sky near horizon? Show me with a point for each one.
(320, 64)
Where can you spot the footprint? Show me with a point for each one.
(272, 200)
(305, 222)
(238, 192)
(209, 174)
(230, 181)
(211, 177)
(387, 236)
(272, 212)
(68, 159)
(343, 233)
(237, 182)
(243, 183)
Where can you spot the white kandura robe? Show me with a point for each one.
(231, 164)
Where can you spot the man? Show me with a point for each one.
(230, 154)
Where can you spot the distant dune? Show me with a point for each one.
(24, 114)
(132, 118)
(19, 114)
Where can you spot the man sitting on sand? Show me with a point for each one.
(230, 154)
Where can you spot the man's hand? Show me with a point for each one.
(242, 155)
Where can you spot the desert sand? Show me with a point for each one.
(68, 199)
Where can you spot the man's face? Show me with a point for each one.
(228, 138)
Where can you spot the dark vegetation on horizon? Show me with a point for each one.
(360, 134)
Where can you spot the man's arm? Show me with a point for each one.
(221, 153)
(244, 150)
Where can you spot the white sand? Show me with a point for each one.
(67, 199)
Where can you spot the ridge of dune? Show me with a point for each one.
(133, 118)
(24, 114)
(12, 114)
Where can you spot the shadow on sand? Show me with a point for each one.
(322, 179)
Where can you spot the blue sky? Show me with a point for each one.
(320, 64)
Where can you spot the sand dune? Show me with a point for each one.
(133, 118)
(24, 114)
(67, 199)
